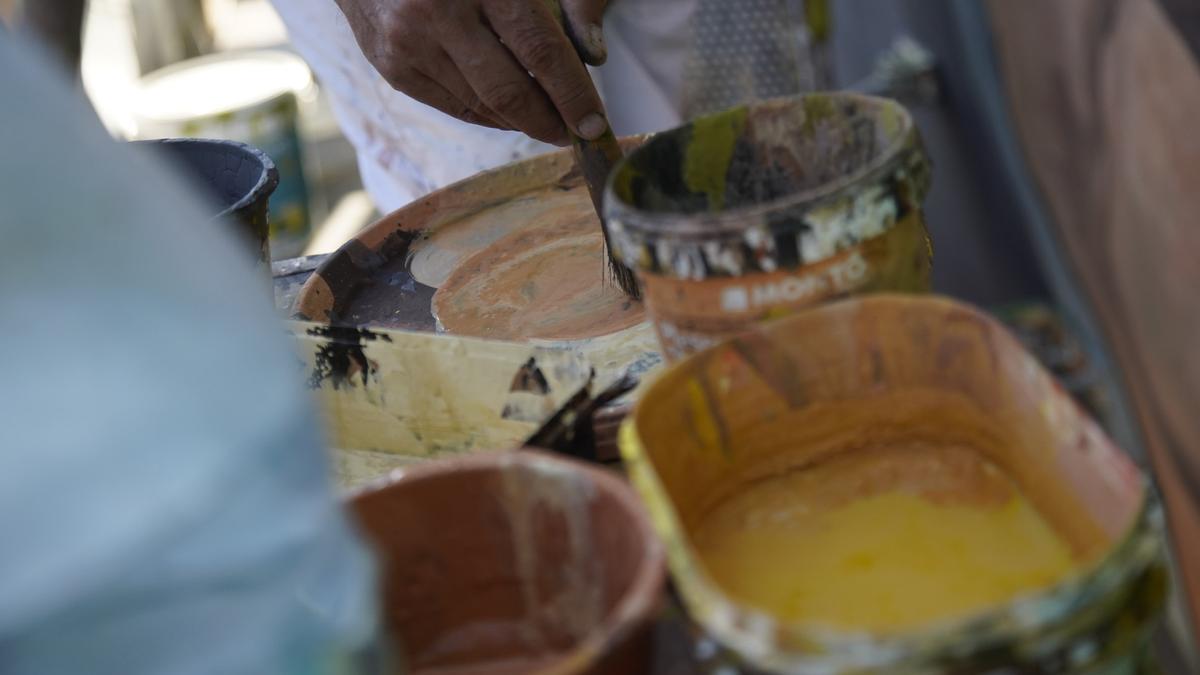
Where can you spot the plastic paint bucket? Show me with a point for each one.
(236, 178)
(749, 214)
(251, 97)
(895, 392)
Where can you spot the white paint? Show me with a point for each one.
(837, 278)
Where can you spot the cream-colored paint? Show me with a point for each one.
(430, 394)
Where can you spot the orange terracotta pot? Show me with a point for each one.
(514, 562)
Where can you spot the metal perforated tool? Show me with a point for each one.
(752, 50)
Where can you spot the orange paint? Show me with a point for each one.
(539, 282)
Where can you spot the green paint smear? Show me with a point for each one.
(818, 108)
(623, 181)
(709, 153)
(819, 19)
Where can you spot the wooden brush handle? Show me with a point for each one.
(594, 158)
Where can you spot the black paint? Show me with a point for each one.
(340, 354)
(530, 378)
(377, 287)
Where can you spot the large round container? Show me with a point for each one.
(749, 214)
(392, 272)
(251, 97)
(934, 402)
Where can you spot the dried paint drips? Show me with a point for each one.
(341, 356)
(561, 602)
(579, 605)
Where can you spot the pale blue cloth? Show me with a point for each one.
(165, 504)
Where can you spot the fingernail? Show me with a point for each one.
(596, 42)
(592, 126)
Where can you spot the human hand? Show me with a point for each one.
(506, 64)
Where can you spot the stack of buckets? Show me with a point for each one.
(252, 97)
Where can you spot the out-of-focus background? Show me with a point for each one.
(223, 68)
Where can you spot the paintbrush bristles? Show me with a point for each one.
(620, 273)
(625, 278)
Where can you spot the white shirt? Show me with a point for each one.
(407, 149)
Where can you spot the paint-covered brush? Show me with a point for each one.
(595, 160)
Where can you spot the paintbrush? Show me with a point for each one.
(571, 430)
(595, 160)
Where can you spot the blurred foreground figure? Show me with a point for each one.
(57, 24)
(165, 505)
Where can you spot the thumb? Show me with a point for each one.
(583, 21)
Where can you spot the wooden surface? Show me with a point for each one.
(1105, 95)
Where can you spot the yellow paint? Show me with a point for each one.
(819, 19)
(887, 563)
(709, 153)
(703, 423)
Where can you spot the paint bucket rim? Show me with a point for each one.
(708, 224)
(265, 184)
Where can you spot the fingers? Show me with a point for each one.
(435, 81)
(502, 84)
(442, 73)
(394, 39)
(584, 20)
(538, 42)
(432, 93)
(500, 63)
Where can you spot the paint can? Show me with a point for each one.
(750, 214)
(251, 97)
(237, 179)
(917, 396)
